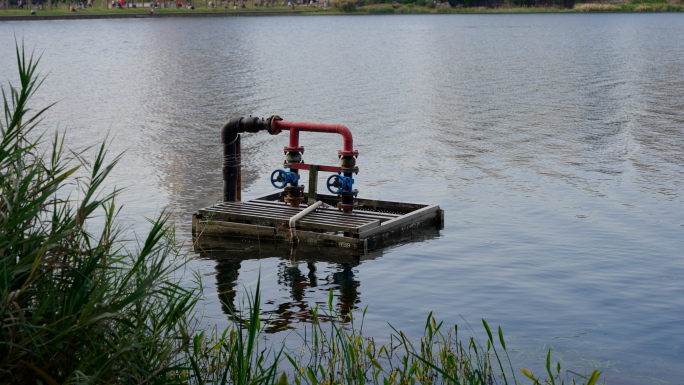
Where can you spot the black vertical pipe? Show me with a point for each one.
(231, 165)
(231, 154)
(238, 187)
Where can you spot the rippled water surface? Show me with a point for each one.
(555, 143)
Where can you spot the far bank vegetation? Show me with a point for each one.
(502, 6)
(84, 7)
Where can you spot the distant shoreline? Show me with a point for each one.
(377, 9)
(146, 15)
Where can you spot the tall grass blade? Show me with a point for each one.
(548, 367)
(594, 377)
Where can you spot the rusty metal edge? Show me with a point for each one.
(211, 228)
(424, 214)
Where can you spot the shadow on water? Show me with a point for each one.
(301, 268)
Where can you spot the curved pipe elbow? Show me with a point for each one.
(348, 140)
(237, 125)
(230, 130)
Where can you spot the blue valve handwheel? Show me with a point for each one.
(280, 180)
(336, 179)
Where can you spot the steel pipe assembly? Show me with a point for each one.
(359, 224)
(340, 183)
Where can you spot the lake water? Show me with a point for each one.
(555, 143)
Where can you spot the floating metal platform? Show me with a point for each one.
(374, 224)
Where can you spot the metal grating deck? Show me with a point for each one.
(266, 217)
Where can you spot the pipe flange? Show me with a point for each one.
(294, 195)
(354, 169)
(294, 149)
(294, 201)
(272, 129)
(347, 207)
(354, 153)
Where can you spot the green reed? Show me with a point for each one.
(78, 306)
(334, 350)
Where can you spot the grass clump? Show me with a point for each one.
(591, 7)
(380, 10)
(652, 7)
(77, 305)
(344, 6)
(388, 9)
(631, 6)
(335, 351)
(412, 10)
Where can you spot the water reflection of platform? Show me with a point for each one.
(374, 224)
(300, 268)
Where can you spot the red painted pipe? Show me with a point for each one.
(296, 127)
